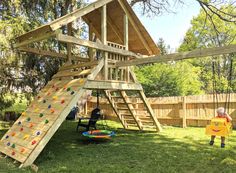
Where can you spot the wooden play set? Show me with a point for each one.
(117, 40)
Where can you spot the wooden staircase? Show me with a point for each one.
(131, 114)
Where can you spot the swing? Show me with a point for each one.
(98, 134)
(220, 126)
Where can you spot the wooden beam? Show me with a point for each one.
(50, 53)
(104, 39)
(69, 46)
(36, 39)
(86, 64)
(111, 85)
(126, 42)
(34, 33)
(131, 109)
(150, 111)
(69, 39)
(95, 71)
(182, 55)
(144, 42)
(64, 20)
(114, 107)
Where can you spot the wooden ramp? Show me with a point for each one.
(31, 132)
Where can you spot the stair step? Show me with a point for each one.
(121, 108)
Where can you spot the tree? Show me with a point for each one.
(211, 7)
(172, 79)
(215, 32)
(21, 72)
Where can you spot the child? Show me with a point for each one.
(221, 114)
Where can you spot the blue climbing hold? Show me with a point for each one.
(49, 106)
(7, 137)
(72, 92)
(19, 123)
(38, 133)
(8, 144)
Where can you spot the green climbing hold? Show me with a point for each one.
(41, 115)
(28, 119)
(46, 121)
(68, 89)
(13, 146)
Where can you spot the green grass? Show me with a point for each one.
(173, 150)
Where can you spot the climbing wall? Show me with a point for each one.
(30, 133)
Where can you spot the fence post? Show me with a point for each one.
(184, 125)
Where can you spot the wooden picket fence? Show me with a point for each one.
(178, 111)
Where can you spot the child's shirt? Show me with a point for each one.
(224, 116)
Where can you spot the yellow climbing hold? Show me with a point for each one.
(54, 97)
(26, 137)
(23, 113)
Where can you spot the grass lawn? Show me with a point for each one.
(173, 150)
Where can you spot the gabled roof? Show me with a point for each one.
(139, 39)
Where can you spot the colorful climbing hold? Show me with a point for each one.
(22, 150)
(36, 110)
(8, 144)
(13, 134)
(53, 86)
(64, 87)
(26, 137)
(23, 113)
(13, 146)
(54, 97)
(31, 125)
(7, 137)
(13, 153)
(57, 89)
(39, 97)
(52, 110)
(21, 129)
(46, 121)
(62, 101)
(48, 93)
(49, 106)
(19, 123)
(33, 142)
(72, 92)
(41, 115)
(68, 89)
(28, 119)
(44, 101)
(38, 133)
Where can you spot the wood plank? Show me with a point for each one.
(86, 64)
(131, 110)
(64, 20)
(150, 111)
(182, 55)
(112, 103)
(107, 85)
(86, 43)
(52, 130)
(36, 39)
(136, 28)
(95, 71)
(34, 33)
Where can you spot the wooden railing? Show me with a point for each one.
(178, 111)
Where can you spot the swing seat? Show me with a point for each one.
(91, 122)
(99, 134)
(219, 127)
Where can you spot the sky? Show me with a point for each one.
(171, 26)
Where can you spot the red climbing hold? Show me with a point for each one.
(62, 101)
(21, 129)
(38, 97)
(33, 142)
(57, 89)
(13, 153)
(48, 93)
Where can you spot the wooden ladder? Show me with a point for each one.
(129, 113)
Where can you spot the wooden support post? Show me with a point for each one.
(126, 41)
(104, 38)
(90, 53)
(184, 125)
(69, 46)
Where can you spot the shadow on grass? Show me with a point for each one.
(174, 150)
